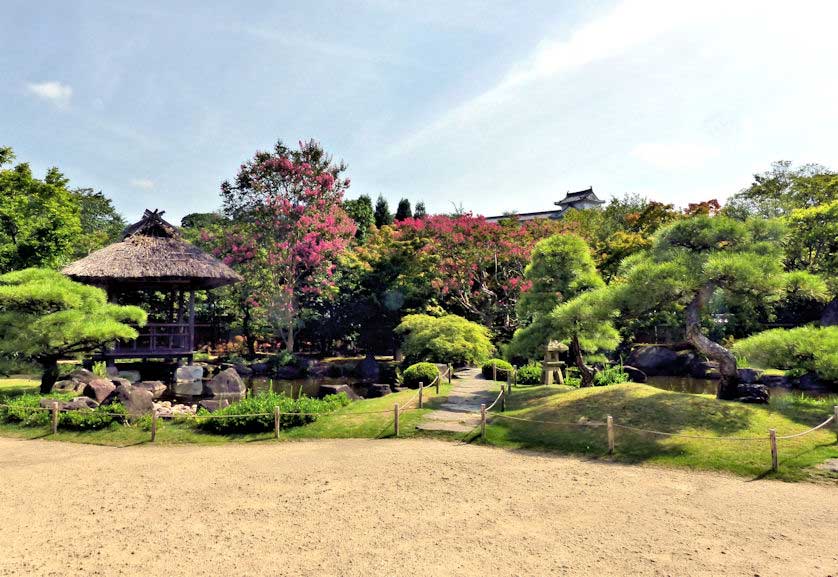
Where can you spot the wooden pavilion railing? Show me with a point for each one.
(158, 339)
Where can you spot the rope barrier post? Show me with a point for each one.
(835, 419)
(483, 422)
(494, 372)
(277, 417)
(54, 421)
(450, 370)
(502, 400)
(772, 436)
(396, 421)
(509, 380)
(153, 425)
(610, 421)
(421, 391)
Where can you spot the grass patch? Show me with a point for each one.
(15, 386)
(646, 407)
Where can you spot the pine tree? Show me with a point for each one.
(403, 211)
(382, 212)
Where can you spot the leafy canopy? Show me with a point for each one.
(445, 339)
(809, 348)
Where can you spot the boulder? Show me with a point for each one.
(81, 403)
(226, 385)
(757, 394)
(156, 388)
(775, 381)
(120, 381)
(368, 370)
(99, 389)
(655, 360)
(749, 376)
(635, 374)
(112, 371)
(65, 386)
(189, 373)
(132, 376)
(260, 369)
(326, 390)
(213, 405)
(135, 400)
(47, 403)
(242, 369)
(188, 388)
(82, 376)
(375, 390)
(811, 382)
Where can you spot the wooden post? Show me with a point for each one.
(502, 400)
(54, 421)
(610, 421)
(450, 370)
(483, 422)
(153, 426)
(772, 435)
(439, 380)
(421, 391)
(396, 417)
(835, 418)
(277, 417)
(191, 320)
(494, 372)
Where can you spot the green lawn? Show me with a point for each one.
(646, 407)
(18, 385)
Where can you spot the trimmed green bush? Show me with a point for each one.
(530, 374)
(256, 414)
(420, 373)
(611, 376)
(802, 350)
(446, 339)
(504, 369)
(24, 410)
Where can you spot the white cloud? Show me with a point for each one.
(142, 183)
(55, 92)
(675, 155)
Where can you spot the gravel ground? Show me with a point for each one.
(409, 507)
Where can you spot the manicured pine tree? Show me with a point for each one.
(383, 215)
(403, 211)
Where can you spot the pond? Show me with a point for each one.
(708, 387)
(294, 387)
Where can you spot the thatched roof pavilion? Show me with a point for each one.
(152, 256)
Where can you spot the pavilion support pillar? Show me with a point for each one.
(191, 321)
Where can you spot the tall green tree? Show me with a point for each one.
(562, 268)
(361, 211)
(403, 211)
(44, 316)
(420, 211)
(692, 260)
(39, 219)
(383, 216)
(100, 222)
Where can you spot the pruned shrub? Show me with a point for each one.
(256, 414)
(503, 369)
(801, 350)
(424, 373)
(446, 339)
(530, 374)
(610, 376)
(25, 410)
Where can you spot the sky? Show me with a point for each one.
(492, 106)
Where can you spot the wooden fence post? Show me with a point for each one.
(421, 391)
(277, 419)
(483, 422)
(494, 372)
(610, 421)
(502, 400)
(835, 420)
(772, 436)
(450, 370)
(54, 420)
(153, 425)
(396, 421)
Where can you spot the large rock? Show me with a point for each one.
(655, 360)
(635, 374)
(156, 388)
(81, 403)
(99, 389)
(189, 373)
(375, 390)
(82, 376)
(775, 381)
(136, 401)
(132, 376)
(226, 385)
(811, 382)
(213, 405)
(65, 386)
(188, 388)
(749, 376)
(757, 394)
(120, 381)
(326, 390)
(368, 369)
(47, 403)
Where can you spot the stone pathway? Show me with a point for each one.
(461, 411)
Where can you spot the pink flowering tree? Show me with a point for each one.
(287, 230)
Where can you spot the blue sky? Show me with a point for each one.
(492, 105)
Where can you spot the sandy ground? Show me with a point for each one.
(411, 507)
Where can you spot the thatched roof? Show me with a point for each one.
(152, 252)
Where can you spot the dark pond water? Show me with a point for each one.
(294, 387)
(708, 387)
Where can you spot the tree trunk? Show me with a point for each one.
(50, 374)
(289, 341)
(585, 372)
(248, 336)
(729, 383)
